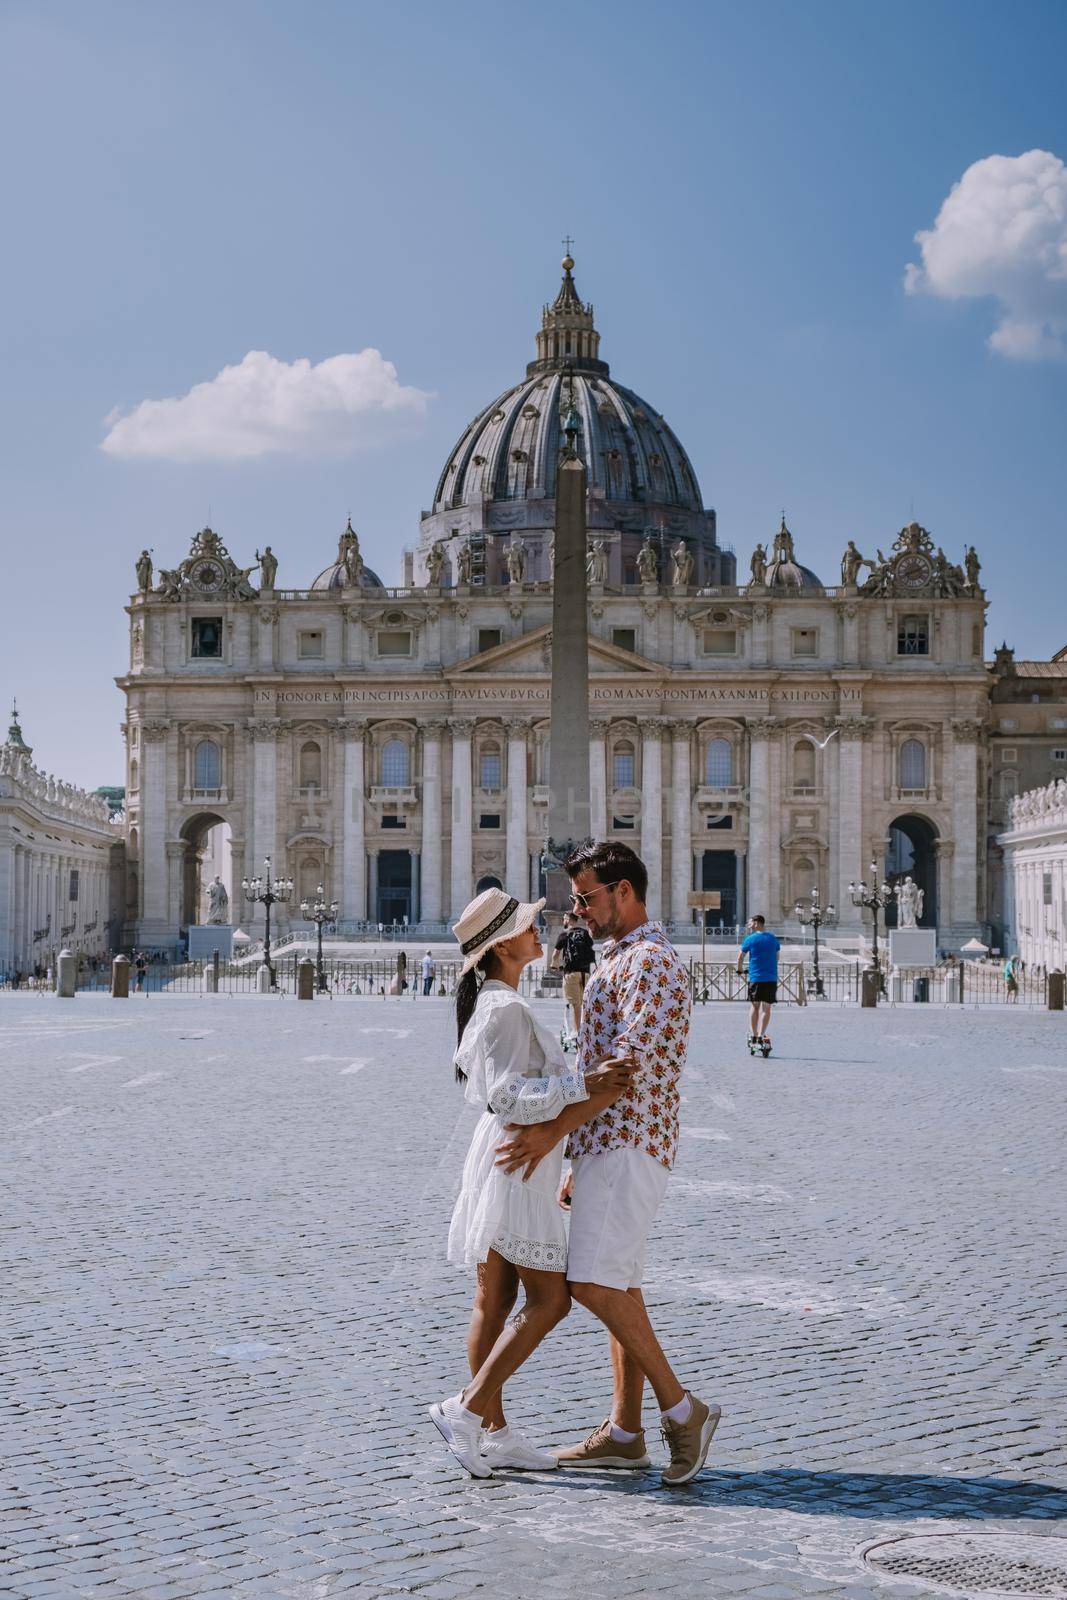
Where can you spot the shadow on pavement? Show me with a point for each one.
(842, 1494)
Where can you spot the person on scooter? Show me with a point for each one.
(761, 949)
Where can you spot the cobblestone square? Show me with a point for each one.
(226, 1308)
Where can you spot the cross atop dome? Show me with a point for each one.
(567, 339)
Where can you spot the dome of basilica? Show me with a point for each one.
(348, 571)
(499, 480)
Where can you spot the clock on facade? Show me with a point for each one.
(209, 575)
(913, 571)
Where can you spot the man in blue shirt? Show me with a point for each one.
(761, 949)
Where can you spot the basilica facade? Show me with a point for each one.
(758, 737)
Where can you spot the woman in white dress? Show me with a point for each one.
(509, 1229)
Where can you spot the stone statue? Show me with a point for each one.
(352, 561)
(241, 588)
(909, 903)
(144, 572)
(973, 565)
(759, 565)
(515, 560)
(464, 563)
(596, 562)
(435, 565)
(647, 562)
(218, 903)
(683, 565)
(268, 567)
(851, 562)
(170, 583)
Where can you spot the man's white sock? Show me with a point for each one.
(680, 1412)
(620, 1435)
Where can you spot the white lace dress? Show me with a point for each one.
(516, 1073)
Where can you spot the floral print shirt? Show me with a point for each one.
(637, 1002)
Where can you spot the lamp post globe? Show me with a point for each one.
(267, 891)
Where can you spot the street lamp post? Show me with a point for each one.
(814, 917)
(267, 891)
(873, 898)
(320, 913)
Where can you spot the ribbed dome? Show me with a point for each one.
(784, 571)
(510, 450)
(499, 481)
(336, 575)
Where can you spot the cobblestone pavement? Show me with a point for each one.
(225, 1308)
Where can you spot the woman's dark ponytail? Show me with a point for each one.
(467, 991)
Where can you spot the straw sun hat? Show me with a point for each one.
(491, 918)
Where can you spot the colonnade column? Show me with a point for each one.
(353, 849)
(965, 791)
(432, 909)
(652, 810)
(760, 730)
(462, 839)
(153, 822)
(851, 866)
(681, 823)
(598, 778)
(265, 732)
(517, 861)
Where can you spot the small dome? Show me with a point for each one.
(333, 577)
(784, 571)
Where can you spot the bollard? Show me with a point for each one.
(211, 979)
(263, 979)
(1056, 981)
(66, 975)
(868, 987)
(120, 978)
(305, 979)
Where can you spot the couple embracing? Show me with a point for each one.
(618, 1114)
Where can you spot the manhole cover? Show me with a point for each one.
(977, 1563)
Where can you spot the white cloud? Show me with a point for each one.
(1002, 232)
(263, 406)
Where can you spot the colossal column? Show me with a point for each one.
(652, 810)
(516, 878)
(264, 732)
(598, 778)
(851, 866)
(462, 841)
(681, 823)
(432, 909)
(154, 824)
(966, 733)
(760, 730)
(353, 849)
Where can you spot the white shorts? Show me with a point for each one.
(615, 1198)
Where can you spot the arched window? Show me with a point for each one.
(623, 765)
(310, 765)
(134, 774)
(720, 764)
(1009, 785)
(803, 764)
(308, 878)
(207, 765)
(803, 879)
(490, 769)
(395, 765)
(912, 764)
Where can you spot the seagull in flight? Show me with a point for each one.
(820, 744)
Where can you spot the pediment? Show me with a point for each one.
(531, 656)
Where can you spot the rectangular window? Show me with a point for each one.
(805, 641)
(488, 639)
(622, 824)
(913, 636)
(74, 884)
(207, 636)
(1046, 888)
(1057, 722)
(394, 641)
(491, 773)
(721, 822)
(311, 645)
(392, 820)
(489, 819)
(1008, 753)
(1007, 724)
(1059, 755)
(720, 641)
(624, 638)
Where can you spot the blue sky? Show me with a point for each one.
(186, 184)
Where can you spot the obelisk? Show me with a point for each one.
(569, 812)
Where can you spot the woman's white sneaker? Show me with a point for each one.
(507, 1448)
(460, 1434)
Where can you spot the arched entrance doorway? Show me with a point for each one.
(911, 851)
(207, 851)
(488, 882)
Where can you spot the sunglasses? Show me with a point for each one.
(580, 902)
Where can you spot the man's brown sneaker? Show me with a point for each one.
(688, 1441)
(601, 1450)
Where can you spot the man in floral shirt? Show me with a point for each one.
(636, 1005)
